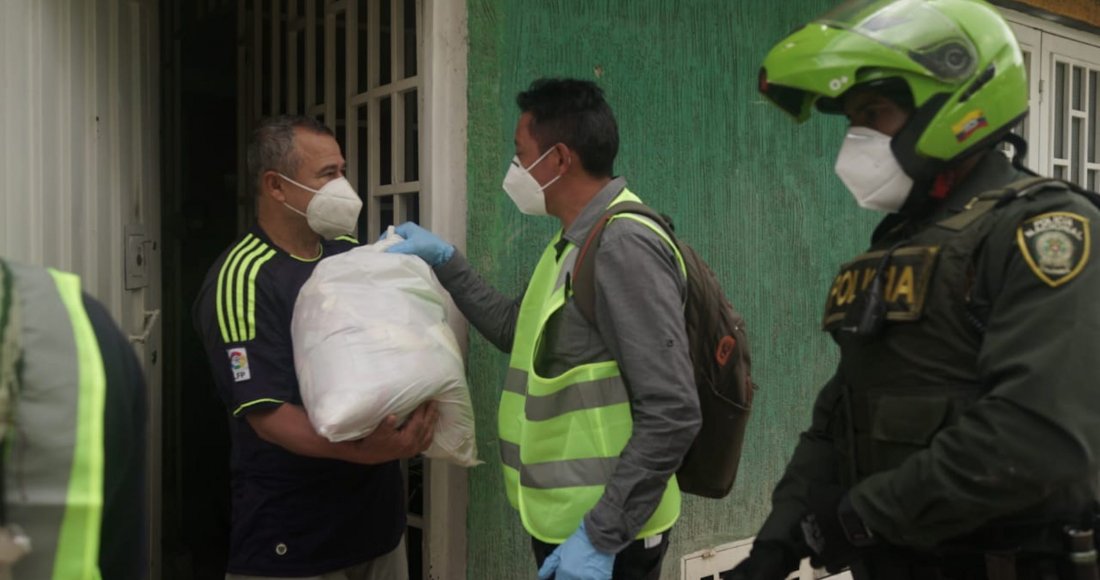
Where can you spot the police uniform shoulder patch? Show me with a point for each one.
(1055, 245)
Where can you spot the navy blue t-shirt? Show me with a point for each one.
(291, 515)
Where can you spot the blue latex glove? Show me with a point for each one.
(577, 559)
(421, 242)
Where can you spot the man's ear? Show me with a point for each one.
(566, 158)
(272, 185)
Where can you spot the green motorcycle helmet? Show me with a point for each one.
(957, 60)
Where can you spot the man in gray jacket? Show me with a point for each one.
(595, 417)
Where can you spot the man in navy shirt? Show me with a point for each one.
(302, 506)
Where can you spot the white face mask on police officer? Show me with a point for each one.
(524, 189)
(334, 209)
(867, 166)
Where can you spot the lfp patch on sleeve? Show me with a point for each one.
(1055, 245)
(238, 364)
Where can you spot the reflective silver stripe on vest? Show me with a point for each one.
(557, 474)
(509, 455)
(576, 397)
(515, 381)
(37, 472)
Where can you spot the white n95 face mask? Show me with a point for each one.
(334, 209)
(867, 166)
(524, 189)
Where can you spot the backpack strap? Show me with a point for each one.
(983, 203)
(583, 279)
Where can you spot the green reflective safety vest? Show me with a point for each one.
(560, 437)
(55, 458)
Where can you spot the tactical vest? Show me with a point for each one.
(54, 462)
(560, 437)
(918, 373)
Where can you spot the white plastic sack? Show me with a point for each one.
(370, 340)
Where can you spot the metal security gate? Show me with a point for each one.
(379, 73)
(354, 66)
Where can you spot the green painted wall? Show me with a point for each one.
(754, 193)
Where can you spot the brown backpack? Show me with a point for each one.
(719, 353)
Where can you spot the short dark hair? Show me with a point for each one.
(573, 112)
(272, 146)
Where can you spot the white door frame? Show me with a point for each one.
(443, 173)
(147, 303)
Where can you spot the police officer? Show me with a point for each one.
(72, 409)
(959, 436)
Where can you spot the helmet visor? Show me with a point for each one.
(912, 27)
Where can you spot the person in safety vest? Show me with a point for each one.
(959, 437)
(301, 506)
(72, 418)
(594, 418)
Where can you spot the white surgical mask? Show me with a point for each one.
(334, 209)
(524, 189)
(867, 165)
